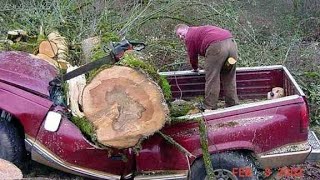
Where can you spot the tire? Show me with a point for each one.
(11, 143)
(226, 166)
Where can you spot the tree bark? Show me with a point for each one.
(124, 106)
(75, 88)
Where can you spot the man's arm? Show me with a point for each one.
(194, 63)
(193, 56)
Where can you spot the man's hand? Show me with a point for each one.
(196, 71)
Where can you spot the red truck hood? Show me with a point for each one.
(27, 71)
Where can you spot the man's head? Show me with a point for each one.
(181, 31)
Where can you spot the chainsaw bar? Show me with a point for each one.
(89, 67)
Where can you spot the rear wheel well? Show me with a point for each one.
(14, 120)
(12, 146)
(241, 159)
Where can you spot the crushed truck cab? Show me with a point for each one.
(259, 134)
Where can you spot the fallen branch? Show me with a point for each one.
(172, 141)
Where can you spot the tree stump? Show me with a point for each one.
(9, 170)
(124, 106)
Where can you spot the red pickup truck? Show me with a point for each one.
(256, 135)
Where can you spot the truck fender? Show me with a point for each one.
(233, 145)
(29, 109)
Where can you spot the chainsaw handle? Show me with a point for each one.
(118, 49)
(137, 46)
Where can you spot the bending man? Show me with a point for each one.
(216, 45)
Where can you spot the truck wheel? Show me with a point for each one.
(226, 166)
(11, 143)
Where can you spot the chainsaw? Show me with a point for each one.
(117, 50)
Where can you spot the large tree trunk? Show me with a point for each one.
(124, 106)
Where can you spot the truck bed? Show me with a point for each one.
(270, 129)
(252, 82)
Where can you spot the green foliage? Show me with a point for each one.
(108, 37)
(312, 90)
(23, 46)
(180, 110)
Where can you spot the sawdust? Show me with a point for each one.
(290, 148)
(228, 124)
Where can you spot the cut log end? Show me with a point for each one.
(231, 61)
(124, 105)
(9, 170)
(48, 48)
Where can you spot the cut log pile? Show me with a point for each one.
(54, 50)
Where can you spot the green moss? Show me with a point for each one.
(24, 46)
(40, 38)
(85, 126)
(184, 108)
(166, 88)
(180, 110)
(130, 60)
(205, 149)
(98, 52)
(179, 120)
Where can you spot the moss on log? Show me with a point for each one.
(205, 148)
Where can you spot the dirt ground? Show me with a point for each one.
(34, 170)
